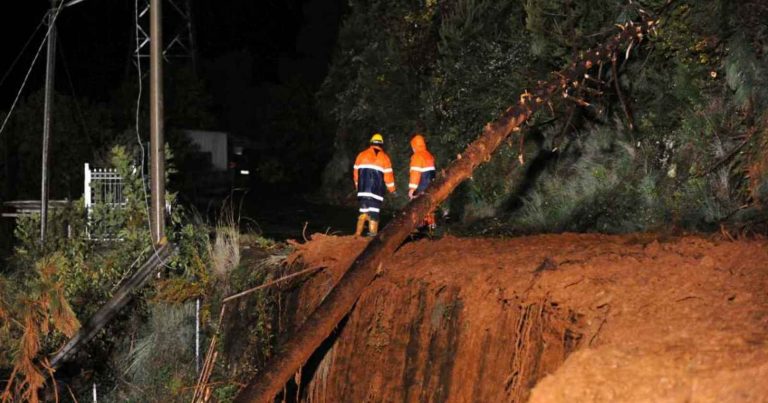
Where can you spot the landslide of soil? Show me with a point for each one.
(549, 318)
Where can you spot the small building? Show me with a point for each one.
(213, 145)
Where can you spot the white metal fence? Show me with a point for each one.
(103, 186)
(103, 189)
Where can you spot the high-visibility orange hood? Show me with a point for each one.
(418, 143)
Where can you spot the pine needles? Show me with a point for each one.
(36, 314)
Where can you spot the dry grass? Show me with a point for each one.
(225, 248)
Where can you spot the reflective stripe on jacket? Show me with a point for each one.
(422, 165)
(373, 173)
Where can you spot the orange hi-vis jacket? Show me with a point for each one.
(422, 165)
(373, 173)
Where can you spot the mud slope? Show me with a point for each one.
(552, 318)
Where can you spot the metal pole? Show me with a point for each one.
(197, 336)
(157, 152)
(50, 67)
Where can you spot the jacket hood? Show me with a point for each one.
(418, 143)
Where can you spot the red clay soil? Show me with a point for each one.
(550, 318)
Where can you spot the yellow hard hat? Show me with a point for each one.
(377, 139)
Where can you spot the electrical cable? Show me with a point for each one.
(23, 49)
(31, 67)
(83, 123)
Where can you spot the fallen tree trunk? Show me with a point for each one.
(296, 350)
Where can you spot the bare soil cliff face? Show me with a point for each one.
(551, 318)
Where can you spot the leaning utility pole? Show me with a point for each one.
(50, 67)
(156, 141)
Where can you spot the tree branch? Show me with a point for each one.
(624, 106)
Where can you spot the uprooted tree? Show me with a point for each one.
(566, 84)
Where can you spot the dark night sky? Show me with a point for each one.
(96, 39)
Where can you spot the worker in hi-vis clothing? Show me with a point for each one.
(372, 174)
(422, 174)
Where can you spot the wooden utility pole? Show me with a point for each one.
(157, 142)
(162, 251)
(109, 310)
(335, 306)
(50, 67)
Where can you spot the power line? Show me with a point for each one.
(31, 66)
(83, 123)
(23, 49)
(138, 112)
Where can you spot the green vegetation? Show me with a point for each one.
(86, 131)
(687, 152)
(75, 275)
(148, 351)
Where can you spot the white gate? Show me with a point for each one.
(103, 189)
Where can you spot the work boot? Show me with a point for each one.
(429, 221)
(361, 219)
(429, 225)
(373, 228)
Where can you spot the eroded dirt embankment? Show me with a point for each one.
(551, 318)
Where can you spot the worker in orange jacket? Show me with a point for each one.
(422, 173)
(372, 174)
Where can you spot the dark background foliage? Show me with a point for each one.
(692, 159)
